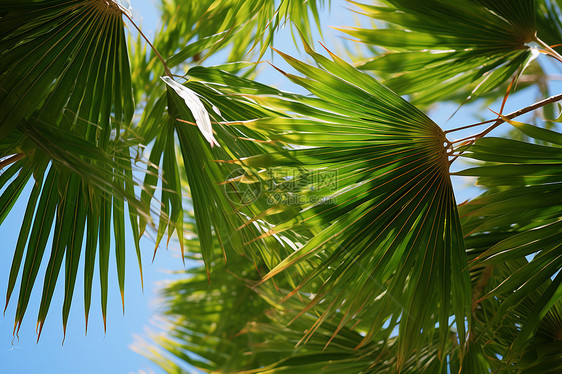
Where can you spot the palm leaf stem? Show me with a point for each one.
(469, 126)
(11, 159)
(472, 138)
(166, 69)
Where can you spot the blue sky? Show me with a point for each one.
(109, 353)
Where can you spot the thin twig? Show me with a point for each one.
(509, 116)
(167, 70)
(10, 160)
(520, 112)
(469, 126)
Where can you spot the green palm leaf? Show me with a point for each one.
(208, 319)
(527, 338)
(231, 327)
(195, 31)
(518, 218)
(242, 25)
(65, 113)
(435, 49)
(210, 174)
(394, 220)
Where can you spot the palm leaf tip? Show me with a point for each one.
(197, 108)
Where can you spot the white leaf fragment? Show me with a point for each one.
(197, 108)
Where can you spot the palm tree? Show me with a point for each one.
(324, 225)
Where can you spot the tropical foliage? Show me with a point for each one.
(321, 229)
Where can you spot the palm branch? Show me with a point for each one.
(392, 182)
(66, 107)
(516, 224)
(232, 326)
(470, 46)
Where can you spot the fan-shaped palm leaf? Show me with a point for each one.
(232, 326)
(65, 112)
(437, 48)
(393, 224)
(241, 25)
(194, 31)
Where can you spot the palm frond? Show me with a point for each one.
(211, 173)
(436, 49)
(513, 236)
(241, 25)
(195, 31)
(230, 326)
(526, 338)
(392, 219)
(66, 107)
